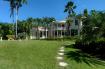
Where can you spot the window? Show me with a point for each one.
(76, 22)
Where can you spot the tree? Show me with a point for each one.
(79, 18)
(69, 8)
(15, 5)
(93, 26)
(85, 13)
(6, 29)
(29, 22)
(48, 22)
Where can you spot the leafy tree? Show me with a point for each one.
(93, 26)
(6, 29)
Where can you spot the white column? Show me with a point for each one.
(61, 30)
(46, 32)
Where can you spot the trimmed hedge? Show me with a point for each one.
(96, 48)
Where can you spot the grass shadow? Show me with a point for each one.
(81, 57)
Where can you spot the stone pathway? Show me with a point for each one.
(60, 59)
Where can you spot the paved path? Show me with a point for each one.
(60, 58)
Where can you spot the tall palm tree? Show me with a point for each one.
(85, 13)
(38, 21)
(35, 25)
(45, 20)
(15, 5)
(79, 18)
(69, 21)
(69, 8)
(29, 25)
(49, 25)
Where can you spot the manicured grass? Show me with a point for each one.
(28, 54)
(34, 54)
(80, 60)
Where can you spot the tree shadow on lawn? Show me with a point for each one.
(81, 57)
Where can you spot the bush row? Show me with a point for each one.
(96, 48)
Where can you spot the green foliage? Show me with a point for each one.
(10, 37)
(22, 35)
(93, 26)
(78, 59)
(85, 13)
(6, 29)
(15, 4)
(93, 34)
(96, 48)
(24, 26)
(69, 8)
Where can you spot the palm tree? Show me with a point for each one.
(79, 18)
(45, 21)
(49, 21)
(15, 5)
(29, 25)
(69, 8)
(35, 24)
(38, 21)
(69, 21)
(85, 13)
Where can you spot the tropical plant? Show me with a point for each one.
(79, 19)
(48, 21)
(29, 22)
(85, 13)
(69, 8)
(15, 5)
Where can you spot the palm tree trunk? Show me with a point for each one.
(37, 33)
(57, 30)
(51, 30)
(70, 30)
(16, 20)
(79, 29)
(54, 31)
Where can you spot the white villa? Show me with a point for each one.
(56, 29)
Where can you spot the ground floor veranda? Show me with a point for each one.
(53, 34)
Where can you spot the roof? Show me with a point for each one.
(63, 21)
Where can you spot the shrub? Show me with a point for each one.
(22, 35)
(10, 37)
(96, 47)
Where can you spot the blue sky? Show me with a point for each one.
(49, 8)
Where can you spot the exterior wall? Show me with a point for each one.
(73, 25)
(38, 33)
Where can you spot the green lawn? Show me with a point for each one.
(35, 54)
(80, 60)
(28, 54)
